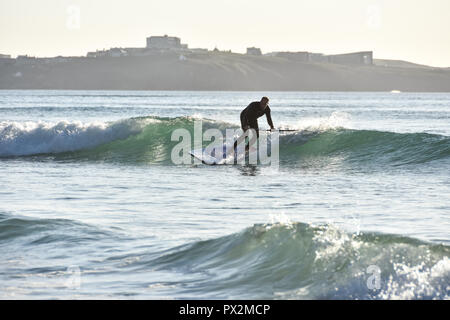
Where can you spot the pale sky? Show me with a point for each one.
(412, 30)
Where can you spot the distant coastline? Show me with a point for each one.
(217, 70)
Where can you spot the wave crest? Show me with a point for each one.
(20, 139)
(299, 261)
(148, 139)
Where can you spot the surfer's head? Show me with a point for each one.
(264, 102)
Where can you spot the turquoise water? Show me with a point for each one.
(91, 205)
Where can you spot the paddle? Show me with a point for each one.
(283, 130)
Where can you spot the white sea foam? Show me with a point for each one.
(336, 120)
(28, 138)
(418, 281)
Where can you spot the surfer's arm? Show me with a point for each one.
(269, 118)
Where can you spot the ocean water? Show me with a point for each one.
(92, 207)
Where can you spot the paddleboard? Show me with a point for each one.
(210, 158)
(214, 157)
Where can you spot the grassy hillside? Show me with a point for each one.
(219, 71)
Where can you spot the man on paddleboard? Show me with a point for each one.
(250, 115)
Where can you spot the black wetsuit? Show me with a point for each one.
(250, 115)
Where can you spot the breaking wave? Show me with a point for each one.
(300, 261)
(148, 139)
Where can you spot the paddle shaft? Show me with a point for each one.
(287, 130)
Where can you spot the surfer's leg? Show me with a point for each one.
(254, 126)
(244, 127)
(239, 140)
